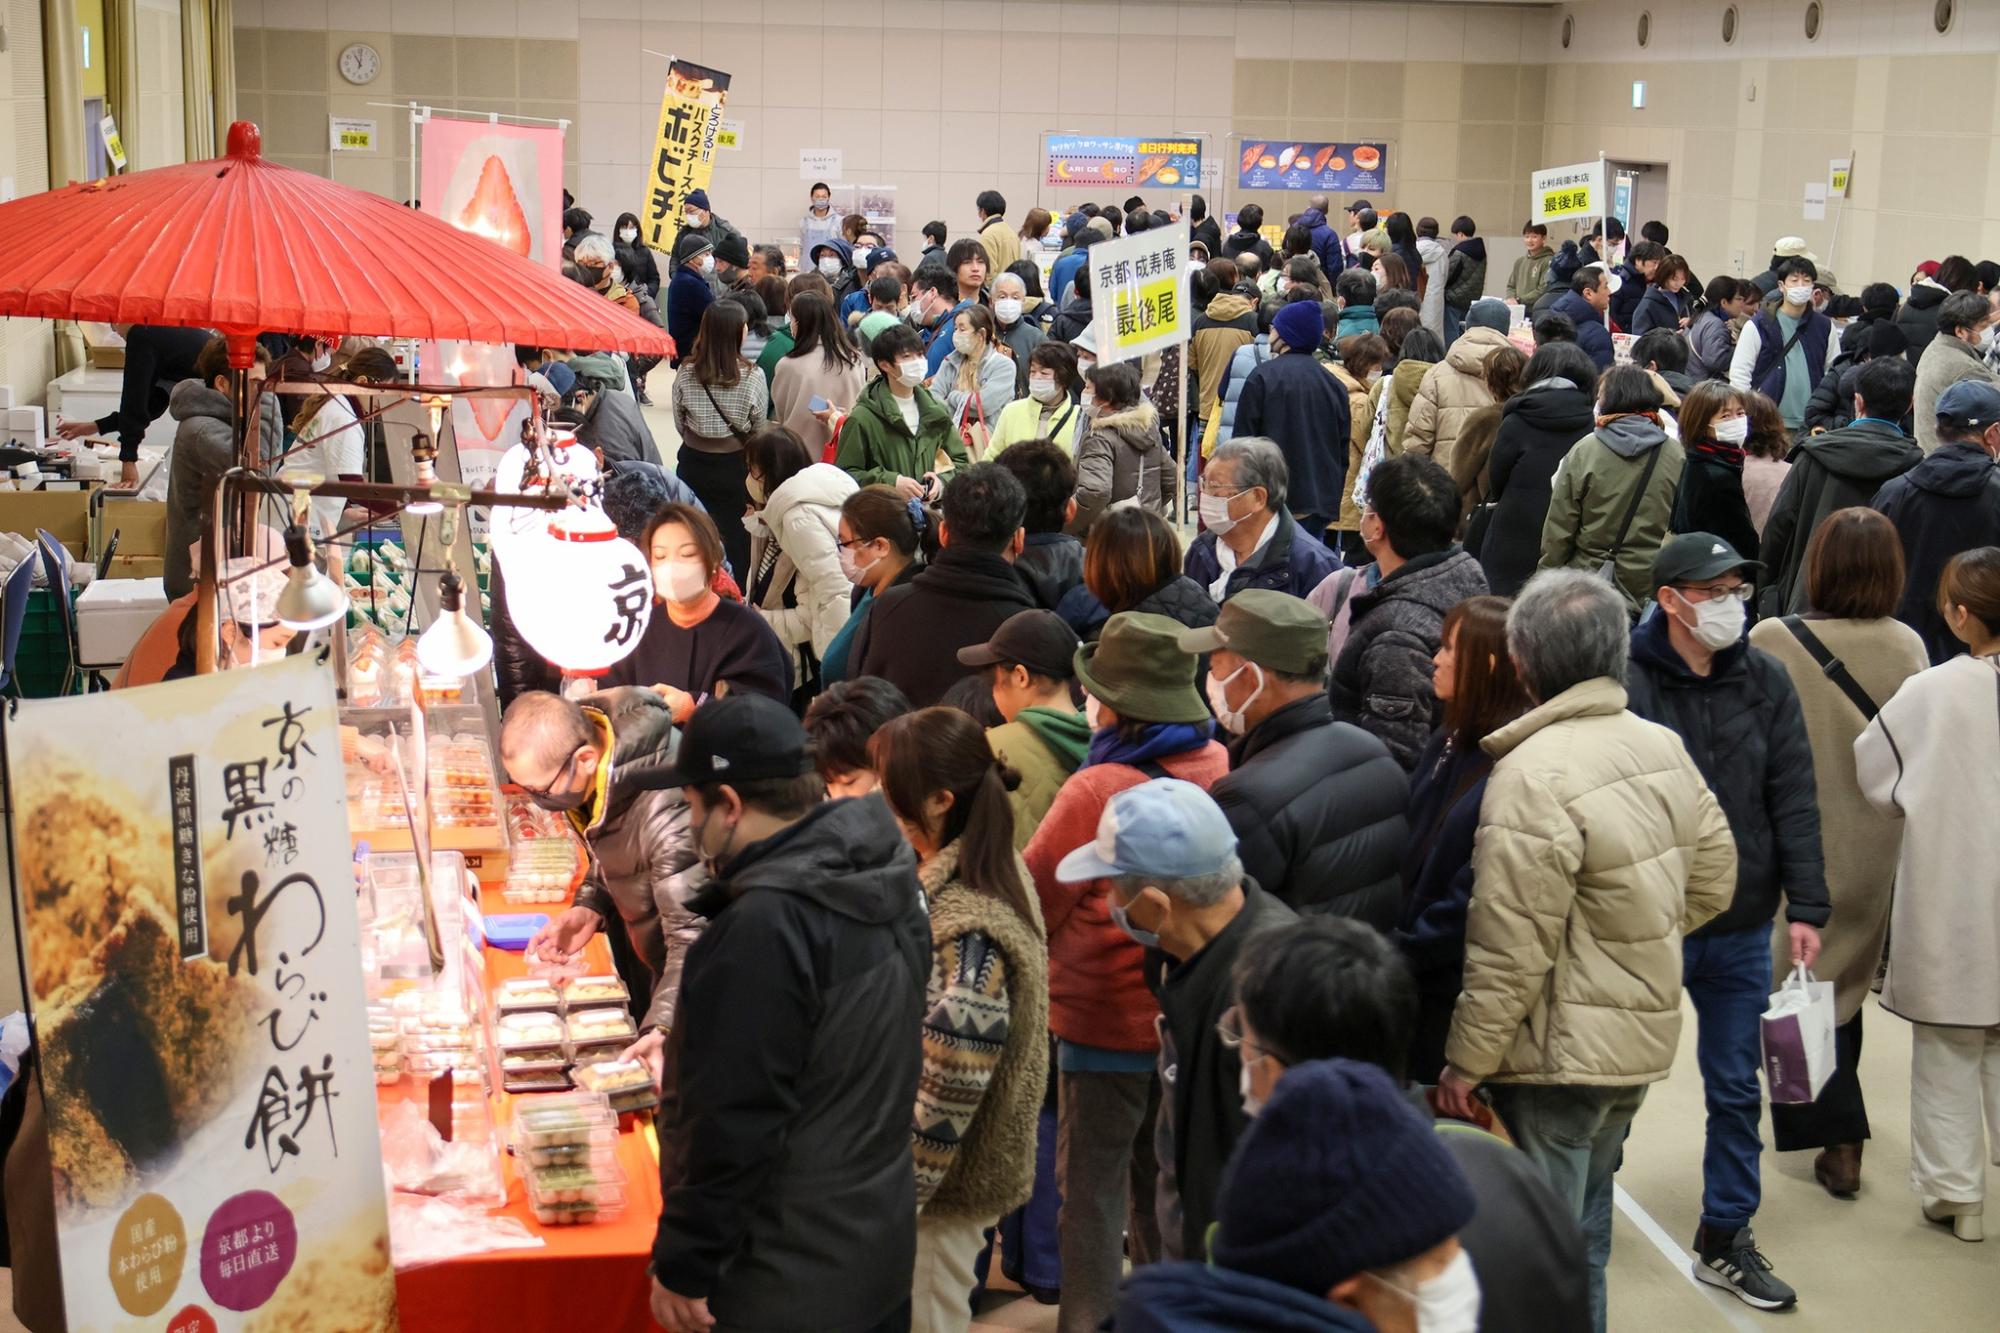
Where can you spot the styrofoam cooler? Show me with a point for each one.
(111, 614)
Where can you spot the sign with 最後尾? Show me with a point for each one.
(730, 136)
(1096, 160)
(1138, 293)
(114, 147)
(345, 134)
(1313, 166)
(1566, 192)
(819, 164)
(684, 148)
(1839, 171)
(194, 972)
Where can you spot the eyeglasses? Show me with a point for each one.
(852, 542)
(550, 788)
(1220, 495)
(1741, 592)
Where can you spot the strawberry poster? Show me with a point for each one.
(482, 427)
(503, 182)
(194, 976)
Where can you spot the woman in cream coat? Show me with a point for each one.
(795, 581)
(1933, 756)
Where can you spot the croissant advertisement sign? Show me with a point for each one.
(1277, 165)
(503, 182)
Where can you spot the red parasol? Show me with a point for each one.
(242, 245)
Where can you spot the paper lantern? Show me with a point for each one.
(571, 464)
(580, 594)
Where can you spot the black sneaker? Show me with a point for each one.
(1734, 1263)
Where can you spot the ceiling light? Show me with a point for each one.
(310, 599)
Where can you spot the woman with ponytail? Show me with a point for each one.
(985, 1038)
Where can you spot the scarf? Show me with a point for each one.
(1729, 455)
(1157, 741)
(1063, 730)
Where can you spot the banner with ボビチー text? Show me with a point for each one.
(194, 973)
(684, 151)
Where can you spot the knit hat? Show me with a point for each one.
(1928, 268)
(633, 493)
(1885, 339)
(1338, 1175)
(1301, 324)
(697, 199)
(733, 250)
(693, 245)
(1137, 668)
(1488, 312)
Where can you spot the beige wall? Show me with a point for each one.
(27, 351)
(158, 139)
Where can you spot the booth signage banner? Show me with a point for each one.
(1839, 171)
(195, 979)
(482, 427)
(1085, 160)
(1567, 192)
(503, 182)
(347, 135)
(819, 164)
(114, 147)
(1313, 166)
(684, 151)
(1815, 206)
(1138, 293)
(730, 137)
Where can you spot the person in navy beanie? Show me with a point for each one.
(1292, 401)
(1340, 1211)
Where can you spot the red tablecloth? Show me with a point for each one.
(585, 1277)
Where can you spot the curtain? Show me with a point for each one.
(222, 66)
(121, 79)
(62, 57)
(198, 81)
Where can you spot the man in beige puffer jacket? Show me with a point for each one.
(1599, 847)
(1456, 387)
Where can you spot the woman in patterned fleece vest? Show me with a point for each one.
(985, 1034)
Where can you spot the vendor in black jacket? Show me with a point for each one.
(787, 1198)
(157, 358)
(1317, 805)
(1173, 872)
(1736, 711)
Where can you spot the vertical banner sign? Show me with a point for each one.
(211, 1110)
(503, 182)
(1556, 193)
(684, 156)
(1138, 293)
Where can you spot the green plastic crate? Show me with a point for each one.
(42, 661)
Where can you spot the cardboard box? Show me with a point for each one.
(65, 515)
(136, 567)
(141, 526)
(103, 346)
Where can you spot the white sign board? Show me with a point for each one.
(1815, 209)
(819, 164)
(1556, 193)
(345, 134)
(1139, 293)
(114, 147)
(730, 137)
(1839, 171)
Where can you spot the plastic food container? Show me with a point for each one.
(594, 992)
(535, 1028)
(535, 1076)
(595, 1203)
(563, 1128)
(593, 1026)
(526, 994)
(626, 1084)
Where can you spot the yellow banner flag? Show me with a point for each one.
(684, 156)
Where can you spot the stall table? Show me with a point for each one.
(584, 1277)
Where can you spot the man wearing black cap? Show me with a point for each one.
(1735, 709)
(787, 1195)
(689, 294)
(1045, 738)
(1946, 504)
(732, 263)
(698, 219)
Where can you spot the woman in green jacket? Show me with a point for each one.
(898, 431)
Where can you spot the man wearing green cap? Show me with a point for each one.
(1317, 805)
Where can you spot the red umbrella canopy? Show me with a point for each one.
(242, 245)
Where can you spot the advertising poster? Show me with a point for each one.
(195, 982)
(503, 182)
(1081, 160)
(1138, 293)
(483, 428)
(1313, 166)
(1555, 193)
(684, 151)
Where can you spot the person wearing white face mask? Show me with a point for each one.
(976, 379)
(1048, 409)
(834, 261)
(1783, 351)
(1168, 860)
(1363, 1237)
(1715, 425)
(880, 539)
(820, 222)
(1736, 710)
(699, 645)
(698, 219)
(641, 269)
(1317, 805)
(1252, 541)
(1017, 332)
(1965, 324)
(899, 434)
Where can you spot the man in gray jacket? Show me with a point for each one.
(1965, 326)
(587, 759)
(204, 449)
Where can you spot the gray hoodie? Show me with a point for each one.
(204, 449)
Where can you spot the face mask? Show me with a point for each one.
(561, 801)
(1215, 515)
(1085, 365)
(1733, 430)
(1718, 622)
(708, 264)
(680, 580)
(1195, 266)
(322, 362)
(820, 206)
(593, 275)
(1045, 390)
(697, 220)
(1798, 293)
(1985, 340)
(1006, 309)
(1374, 377)
(754, 487)
(1218, 696)
(963, 343)
(1089, 399)
(713, 861)
(1447, 1303)
(1146, 938)
(1284, 285)
(628, 234)
(913, 370)
(829, 267)
(853, 568)
(1253, 1105)
(1093, 713)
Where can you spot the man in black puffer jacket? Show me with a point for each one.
(1382, 679)
(1317, 805)
(1738, 714)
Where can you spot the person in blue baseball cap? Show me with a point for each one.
(1946, 504)
(1167, 856)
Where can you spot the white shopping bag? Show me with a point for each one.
(1798, 1038)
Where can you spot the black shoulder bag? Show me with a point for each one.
(1835, 669)
(1608, 571)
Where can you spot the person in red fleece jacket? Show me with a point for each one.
(1147, 721)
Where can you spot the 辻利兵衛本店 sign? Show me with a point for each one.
(1567, 192)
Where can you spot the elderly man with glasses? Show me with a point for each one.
(1251, 539)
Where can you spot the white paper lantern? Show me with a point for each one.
(580, 594)
(572, 464)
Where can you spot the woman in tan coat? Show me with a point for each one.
(1854, 576)
(823, 363)
(1358, 370)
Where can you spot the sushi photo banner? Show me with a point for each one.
(1093, 161)
(1265, 164)
(503, 182)
(194, 974)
